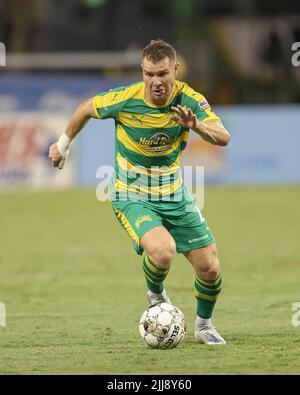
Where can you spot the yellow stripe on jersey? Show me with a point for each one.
(124, 164)
(211, 116)
(143, 146)
(96, 104)
(129, 92)
(162, 120)
(152, 191)
(187, 90)
(127, 226)
(198, 97)
(135, 91)
(114, 97)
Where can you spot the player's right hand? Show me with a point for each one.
(54, 155)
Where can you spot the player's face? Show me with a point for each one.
(159, 79)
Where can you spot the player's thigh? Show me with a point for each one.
(189, 229)
(205, 261)
(136, 219)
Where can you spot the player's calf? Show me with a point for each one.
(160, 249)
(208, 285)
(154, 276)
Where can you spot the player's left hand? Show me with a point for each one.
(184, 117)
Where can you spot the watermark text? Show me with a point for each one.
(151, 184)
(296, 55)
(2, 55)
(2, 314)
(296, 316)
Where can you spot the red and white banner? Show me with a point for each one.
(24, 143)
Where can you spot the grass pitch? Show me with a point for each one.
(74, 288)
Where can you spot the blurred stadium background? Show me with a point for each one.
(238, 54)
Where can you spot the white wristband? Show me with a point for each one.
(63, 144)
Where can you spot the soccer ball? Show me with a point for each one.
(162, 326)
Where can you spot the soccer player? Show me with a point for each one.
(153, 119)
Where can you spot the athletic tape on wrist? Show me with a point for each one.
(63, 145)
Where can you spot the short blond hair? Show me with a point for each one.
(159, 49)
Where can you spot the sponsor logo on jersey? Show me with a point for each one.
(142, 219)
(198, 239)
(138, 119)
(203, 105)
(160, 142)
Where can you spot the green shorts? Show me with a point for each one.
(182, 219)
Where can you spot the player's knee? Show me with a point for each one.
(163, 254)
(213, 272)
(210, 268)
(166, 256)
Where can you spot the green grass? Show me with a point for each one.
(74, 288)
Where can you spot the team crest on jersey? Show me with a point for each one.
(142, 219)
(159, 142)
(203, 104)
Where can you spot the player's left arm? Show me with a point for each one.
(211, 130)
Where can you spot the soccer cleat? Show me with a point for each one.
(209, 335)
(154, 298)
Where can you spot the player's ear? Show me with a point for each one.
(176, 67)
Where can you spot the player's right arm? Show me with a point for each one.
(58, 152)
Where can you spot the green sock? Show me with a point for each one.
(154, 276)
(206, 293)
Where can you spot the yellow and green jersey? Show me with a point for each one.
(148, 143)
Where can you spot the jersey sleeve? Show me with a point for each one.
(199, 105)
(108, 104)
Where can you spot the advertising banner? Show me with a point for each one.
(24, 142)
(34, 112)
(263, 147)
(35, 109)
